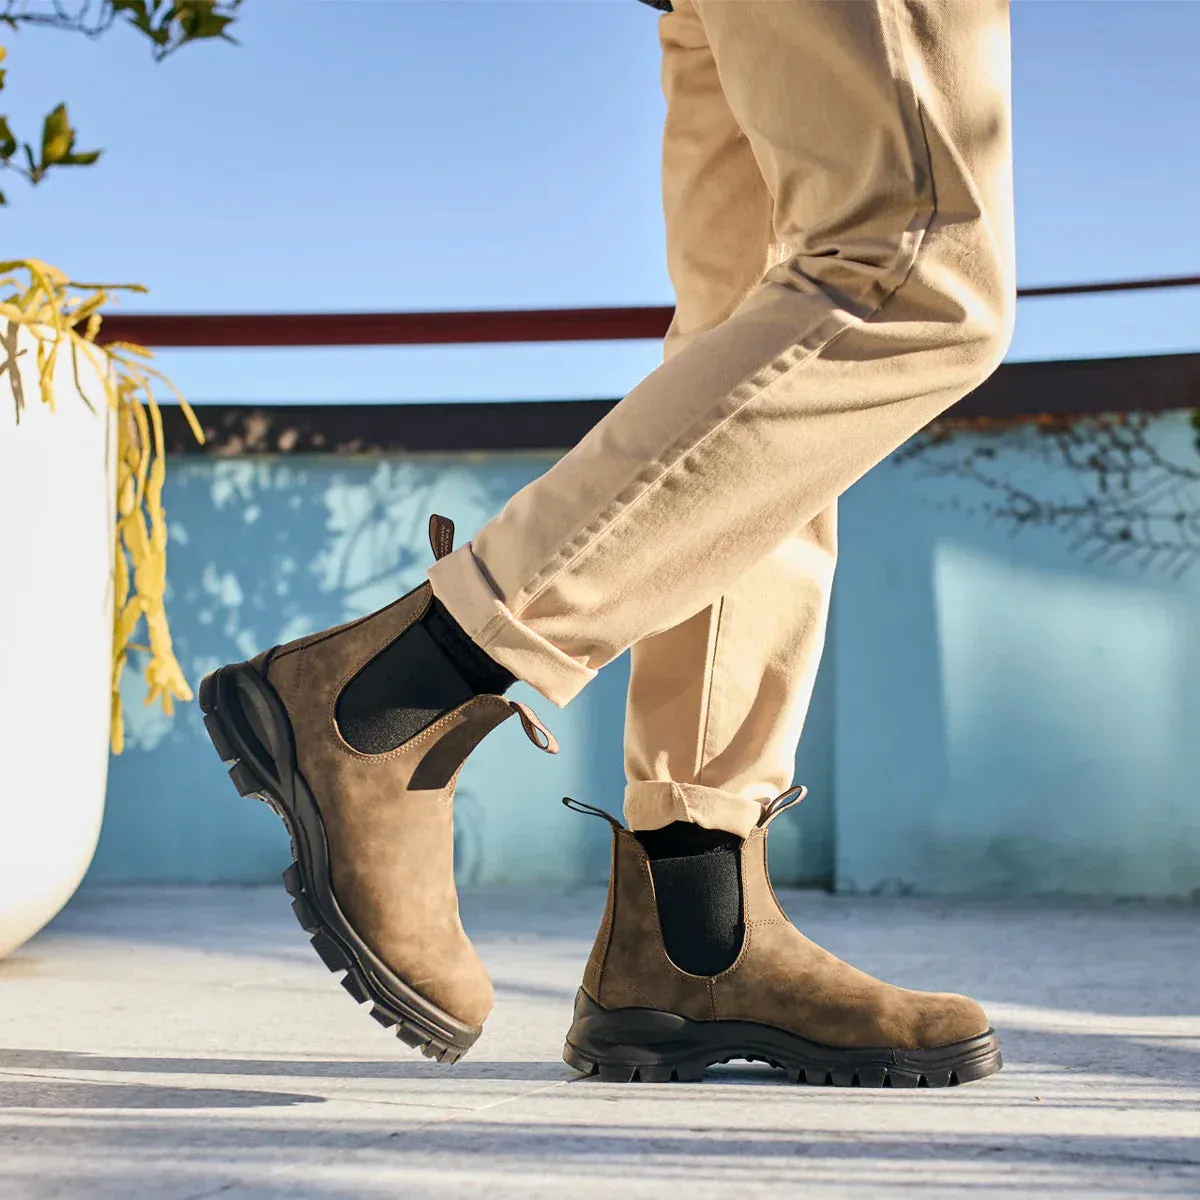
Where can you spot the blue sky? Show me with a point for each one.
(479, 154)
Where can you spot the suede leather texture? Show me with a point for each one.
(391, 847)
(780, 977)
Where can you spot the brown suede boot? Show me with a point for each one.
(372, 833)
(784, 1001)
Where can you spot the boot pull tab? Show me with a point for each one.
(591, 810)
(532, 726)
(772, 809)
(441, 535)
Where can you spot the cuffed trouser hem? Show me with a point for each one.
(651, 804)
(461, 586)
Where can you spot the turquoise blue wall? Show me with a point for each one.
(993, 714)
(262, 551)
(1009, 719)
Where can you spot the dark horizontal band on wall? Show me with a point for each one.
(1158, 383)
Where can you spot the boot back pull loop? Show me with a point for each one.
(590, 810)
(441, 539)
(441, 535)
(532, 727)
(781, 802)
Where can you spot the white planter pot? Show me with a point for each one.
(57, 508)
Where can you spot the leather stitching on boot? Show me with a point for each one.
(301, 663)
(606, 922)
(430, 733)
(315, 639)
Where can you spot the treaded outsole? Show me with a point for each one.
(328, 948)
(647, 1045)
(879, 1077)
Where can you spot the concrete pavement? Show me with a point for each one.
(187, 1043)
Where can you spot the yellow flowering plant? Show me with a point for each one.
(62, 314)
(65, 316)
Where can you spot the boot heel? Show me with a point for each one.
(245, 718)
(630, 1045)
(630, 1072)
(250, 732)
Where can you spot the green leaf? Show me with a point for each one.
(3, 199)
(139, 14)
(136, 7)
(57, 136)
(199, 21)
(79, 160)
(8, 143)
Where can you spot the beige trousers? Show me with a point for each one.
(837, 187)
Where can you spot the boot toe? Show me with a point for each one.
(461, 987)
(948, 1018)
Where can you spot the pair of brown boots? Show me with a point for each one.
(373, 882)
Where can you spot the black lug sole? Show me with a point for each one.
(250, 730)
(630, 1045)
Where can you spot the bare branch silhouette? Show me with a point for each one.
(1135, 502)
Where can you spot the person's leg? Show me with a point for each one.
(881, 128)
(896, 300)
(717, 703)
(695, 962)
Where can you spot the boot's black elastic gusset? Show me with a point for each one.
(698, 889)
(481, 672)
(428, 671)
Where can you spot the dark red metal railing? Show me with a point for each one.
(227, 330)
(1152, 383)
